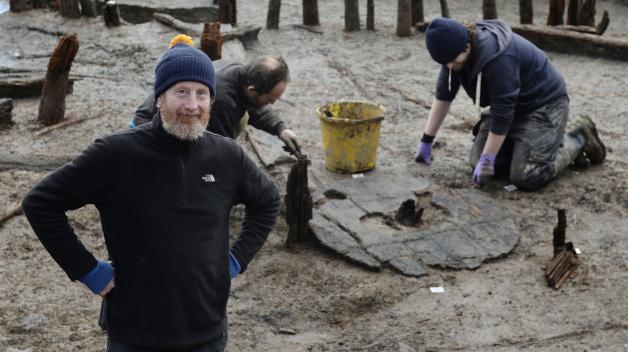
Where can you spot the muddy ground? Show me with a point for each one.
(505, 305)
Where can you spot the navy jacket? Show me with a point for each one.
(164, 207)
(517, 77)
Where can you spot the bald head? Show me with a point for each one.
(264, 73)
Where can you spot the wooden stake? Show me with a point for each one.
(370, 15)
(586, 13)
(444, 8)
(180, 26)
(489, 10)
(404, 18)
(556, 12)
(601, 28)
(526, 15)
(16, 209)
(6, 119)
(352, 16)
(39, 4)
(272, 19)
(417, 12)
(560, 231)
(88, 8)
(111, 14)
(227, 12)
(52, 104)
(70, 8)
(18, 5)
(572, 12)
(310, 13)
(211, 41)
(298, 202)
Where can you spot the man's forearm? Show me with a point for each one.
(493, 143)
(438, 112)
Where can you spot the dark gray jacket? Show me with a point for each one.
(229, 107)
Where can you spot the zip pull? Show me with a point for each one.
(477, 94)
(450, 80)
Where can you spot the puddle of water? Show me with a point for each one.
(4, 6)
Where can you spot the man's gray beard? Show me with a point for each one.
(183, 131)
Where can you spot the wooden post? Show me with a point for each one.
(352, 16)
(489, 9)
(572, 12)
(211, 41)
(310, 13)
(88, 8)
(227, 12)
(444, 8)
(556, 12)
(52, 104)
(6, 119)
(70, 8)
(111, 14)
(39, 4)
(404, 18)
(370, 15)
(526, 15)
(417, 12)
(601, 28)
(18, 5)
(586, 13)
(560, 232)
(298, 202)
(272, 18)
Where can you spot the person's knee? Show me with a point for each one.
(529, 177)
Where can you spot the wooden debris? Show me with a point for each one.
(489, 10)
(17, 5)
(310, 13)
(581, 29)
(211, 41)
(601, 27)
(6, 119)
(417, 12)
(370, 15)
(565, 262)
(298, 202)
(88, 8)
(586, 13)
(526, 15)
(70, 9)
(15, 209)
(272, 19)
(25, 85)
(58, 126)
(572, 12)
(111, 14)
(287, 331)
(556, 12)
(12, 161)
(570, 42)
(180, 26)
(404, 18)
(352, 16)
(39, 4)
(444, 8)
(307, 28)
(227, 12)
(52, 104)
(408, 215)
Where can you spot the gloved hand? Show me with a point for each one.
(484, 170)
(234, 266)
(290, 140)
(424, 153)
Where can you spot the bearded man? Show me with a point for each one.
(164, 191)
(523, 134)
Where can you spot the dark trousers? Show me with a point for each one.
(536, 148)
(217, 345)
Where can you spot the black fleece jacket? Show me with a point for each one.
(229, 106)
(164, 206)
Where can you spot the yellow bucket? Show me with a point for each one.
(350, 135)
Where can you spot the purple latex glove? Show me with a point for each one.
(484, 170)
(423, 154)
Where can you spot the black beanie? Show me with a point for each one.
(445, 39)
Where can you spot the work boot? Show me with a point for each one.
(581, 162)
(593, 146)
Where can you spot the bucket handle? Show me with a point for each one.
(350, 121)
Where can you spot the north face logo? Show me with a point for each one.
(209, 178)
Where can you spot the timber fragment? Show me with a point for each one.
(88, 8)
(370, 15)
(227, 12)
(601, 27)
(15, 209)
(211, 41)
(70, 8)
(310, 13)
(526, 15)
(404, 18)
(6, 119)
(352, 16)
(586, 13)
(444, 8)
(565, 262)
(556, 12)
(298, 202)
(572, 12)
(111, 14)
(180, 26)
(17, 5)
(52, 104)
(417, 12)
(489, 10)
(25, 85)
(272, 19)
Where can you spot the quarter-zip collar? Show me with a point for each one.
(171, 142)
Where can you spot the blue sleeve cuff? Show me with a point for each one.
(131, 124)
(234, 266)
(98, 278)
